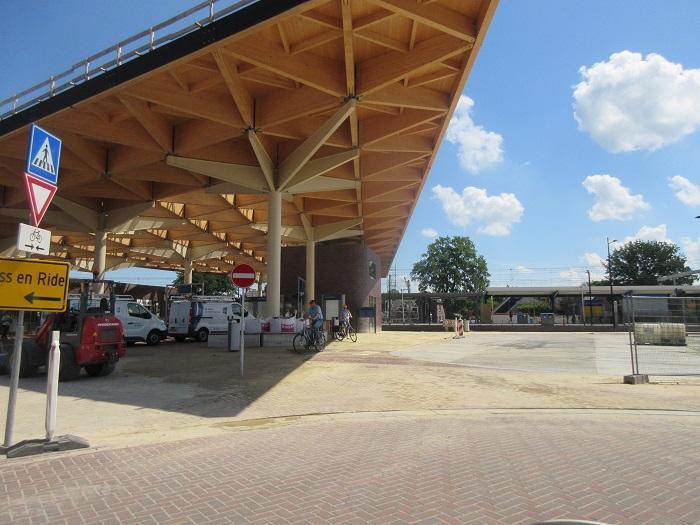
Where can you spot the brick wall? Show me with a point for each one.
(342, 267)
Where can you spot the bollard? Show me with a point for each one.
(52, 384)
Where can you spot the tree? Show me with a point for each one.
(451, 265)
(643, 262)
(214, 283)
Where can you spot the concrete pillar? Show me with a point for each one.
(310, 271)
(274, 252)
(100, 257)
(187, 277)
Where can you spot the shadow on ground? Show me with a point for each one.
(185, 377)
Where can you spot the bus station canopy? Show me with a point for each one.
(173, 152)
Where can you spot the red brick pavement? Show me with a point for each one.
(442, 469)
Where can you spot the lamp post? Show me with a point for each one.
(610, 277)
(590, 306)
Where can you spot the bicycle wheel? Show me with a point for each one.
(300, 343)
(352, 334)
(339, 334)
(320, 341)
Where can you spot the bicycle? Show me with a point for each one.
(346, 331)
(309, 338)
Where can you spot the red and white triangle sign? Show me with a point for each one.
(40, 194)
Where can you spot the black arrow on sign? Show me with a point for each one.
(30, 246)
(30, 297)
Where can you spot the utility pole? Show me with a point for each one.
(590, 307)
(610, 277)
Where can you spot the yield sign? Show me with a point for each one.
(40, 194)
(242, 275)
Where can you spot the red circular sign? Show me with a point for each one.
(242, 275)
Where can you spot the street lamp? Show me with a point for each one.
(610, 277)
(590, 306)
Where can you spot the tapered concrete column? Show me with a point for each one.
(310, 271)
(274, 252)
(187, 277)
(100, 257)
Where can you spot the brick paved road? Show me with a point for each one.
(466, 467)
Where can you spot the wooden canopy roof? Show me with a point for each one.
(344, 101)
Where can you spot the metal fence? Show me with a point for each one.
(664, 335)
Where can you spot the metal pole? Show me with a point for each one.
(610, 277)
(52, 384)
(242, 331)
(583, 309)
(14, 379)
(629, 330)
(403, 309)
(590, 306)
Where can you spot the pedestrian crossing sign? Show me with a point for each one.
(44, 155)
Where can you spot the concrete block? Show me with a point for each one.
(636, 379)
(285, 340)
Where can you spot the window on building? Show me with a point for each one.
(372, 270)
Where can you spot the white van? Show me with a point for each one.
(198, 316)
(139, 323)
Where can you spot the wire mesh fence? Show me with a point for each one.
(664, 335)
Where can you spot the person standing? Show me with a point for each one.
(5, 322)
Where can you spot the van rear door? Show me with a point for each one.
(179, 318)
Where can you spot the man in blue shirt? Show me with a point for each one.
(316, 316)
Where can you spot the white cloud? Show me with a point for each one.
(572, 275)
(649, 233)
(686, 192)
(478, 149)
(429, 232)
(633, 102)
(523, 269)
(691, 249)
(592, 260)
(613, 200)
(495, 214)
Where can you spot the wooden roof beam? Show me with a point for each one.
(378, 72)
(239, 92)
(300, 156)
(317, 167)
(323, 74)
(436, 16)
(156, 125)
(241, 175)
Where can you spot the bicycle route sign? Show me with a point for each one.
(33, 285)
(41, 171)
(32, 239)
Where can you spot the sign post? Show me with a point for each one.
(243, 276)
(43, 291)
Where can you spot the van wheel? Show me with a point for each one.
(100, 370)
(153, 338)
(202, 335)
(69, 369)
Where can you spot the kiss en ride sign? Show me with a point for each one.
(33, 285)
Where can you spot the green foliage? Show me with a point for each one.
(451, 265)
(643, 262)
(533, 308)
(214, 283)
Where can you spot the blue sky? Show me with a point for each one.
(525, 157)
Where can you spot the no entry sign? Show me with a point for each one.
(242, 275)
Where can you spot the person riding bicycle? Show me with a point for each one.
(316, 316)
(345, 316)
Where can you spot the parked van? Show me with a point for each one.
(139, 323)
(198, 316)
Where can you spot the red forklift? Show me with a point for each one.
(91, 336)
